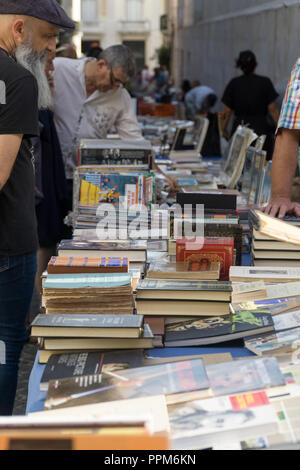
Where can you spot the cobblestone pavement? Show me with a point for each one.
(26, 364)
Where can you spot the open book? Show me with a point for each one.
(274, 228)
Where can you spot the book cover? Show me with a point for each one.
(166, 379)
(210, 200)
(218, 250)
(220, 421)
(66, 265)
(61, 366)
(244, 376)
(169, 270)
(215, 330)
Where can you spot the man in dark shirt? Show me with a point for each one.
(28, 32)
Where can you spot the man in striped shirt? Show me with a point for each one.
(285, 159)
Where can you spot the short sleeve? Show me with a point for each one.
(290, 111)
(228, 96)
(19, 114)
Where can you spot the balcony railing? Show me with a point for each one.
(134, 27)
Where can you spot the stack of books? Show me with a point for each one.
(180, 298)
(275, 242)
(134, 250)
(88, 293)
(60, 334)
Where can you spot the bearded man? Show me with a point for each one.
(28, 32)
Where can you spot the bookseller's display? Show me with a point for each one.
(138, 284)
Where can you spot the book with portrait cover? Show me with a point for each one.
(217, 329)
(218, 250)
(77, 265)
(61, 366)
(203, 424)
(187, 377)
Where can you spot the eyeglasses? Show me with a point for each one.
(116, 82)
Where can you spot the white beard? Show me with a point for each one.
(35, 63)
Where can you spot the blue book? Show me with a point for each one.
(79, 281)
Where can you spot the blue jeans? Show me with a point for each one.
(17, 275)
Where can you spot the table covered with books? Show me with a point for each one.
(187, 316)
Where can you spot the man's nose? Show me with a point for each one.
(51, 46)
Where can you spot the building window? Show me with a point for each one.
(134, 10)
(89, 10)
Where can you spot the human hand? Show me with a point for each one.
(281, 206)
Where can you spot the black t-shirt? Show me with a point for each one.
(18, 227)
(248, 97)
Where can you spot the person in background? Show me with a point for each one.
(96, 102)
(94, 52)
(199, 100)
(28, 32)
(145, 78)
(285, 159)
(252, 100)
(51, 205)
(66, 50)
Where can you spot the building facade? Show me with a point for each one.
(135, 23)
(209, 34)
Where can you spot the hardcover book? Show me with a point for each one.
(167, 379)
(184, 290)
(61, 265)
(94, 344)
(218, 329)
(87, 326)
(114, 153)
(61, 366)
(217, 250)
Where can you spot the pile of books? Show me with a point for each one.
(275, 242)
(95, 293)
(76, 333)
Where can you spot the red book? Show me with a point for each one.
(203, 252)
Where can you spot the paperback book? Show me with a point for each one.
(167, 379)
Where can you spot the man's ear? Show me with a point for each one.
(101, 63)
(19, 30)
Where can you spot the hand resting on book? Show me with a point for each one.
(281, 206)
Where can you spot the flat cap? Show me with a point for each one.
(46, 10)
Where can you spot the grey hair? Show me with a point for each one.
(120, 56)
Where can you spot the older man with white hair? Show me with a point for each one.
(28, 32)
